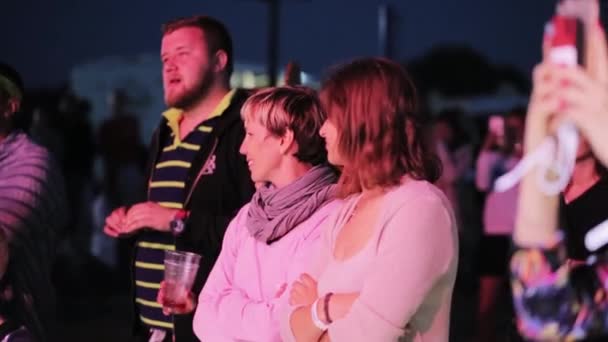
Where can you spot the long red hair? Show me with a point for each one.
(372, 102)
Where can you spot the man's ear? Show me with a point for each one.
(221, 61)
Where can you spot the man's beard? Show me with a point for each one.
(190, 97)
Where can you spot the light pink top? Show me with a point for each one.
(238, 302)
(405, 274)
(499, 209)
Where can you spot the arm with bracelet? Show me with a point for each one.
(314, 320)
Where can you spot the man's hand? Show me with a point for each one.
(187, 306)
(115, 222)
(148, 215)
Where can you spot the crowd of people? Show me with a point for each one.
(319, 215)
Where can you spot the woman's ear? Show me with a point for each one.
(287, 142)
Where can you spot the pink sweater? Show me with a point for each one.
(239, 302)
(404, 275)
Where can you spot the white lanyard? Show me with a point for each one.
(555, 159)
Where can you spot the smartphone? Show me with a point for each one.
(566, 40)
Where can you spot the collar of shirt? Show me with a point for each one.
(174, 115)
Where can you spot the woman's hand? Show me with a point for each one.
(578, 94)
(585, 95)
(586, 104)
(544, 104)
(303, 291)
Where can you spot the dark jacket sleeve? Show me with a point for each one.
(205, 230)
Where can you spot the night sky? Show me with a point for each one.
(44, 39)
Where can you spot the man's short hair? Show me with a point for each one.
(216, 35)
(11, 84)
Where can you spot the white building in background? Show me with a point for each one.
(140, 77)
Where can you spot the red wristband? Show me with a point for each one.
(181, 215)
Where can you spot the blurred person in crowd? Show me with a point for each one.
(197, 180)
(33, 212)
(455, 152)
(77, 166)
(123, 153)
(388, 258)
(44, 131)
(500, 152)
(123, 158)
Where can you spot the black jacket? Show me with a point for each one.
(212, 199)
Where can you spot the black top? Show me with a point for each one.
(582, 214)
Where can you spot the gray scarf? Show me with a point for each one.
(275, 212)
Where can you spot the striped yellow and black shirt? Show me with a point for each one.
(167, 188)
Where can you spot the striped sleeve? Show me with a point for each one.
(32, 198)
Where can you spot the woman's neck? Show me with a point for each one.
(289, 172)
(369, 194)
(583, 178)
(375, 191)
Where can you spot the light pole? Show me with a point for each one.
(272, 48)
(273, 34)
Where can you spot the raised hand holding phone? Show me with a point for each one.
(564, 90)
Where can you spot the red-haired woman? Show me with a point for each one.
(388, 259)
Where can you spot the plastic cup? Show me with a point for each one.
(180, 271)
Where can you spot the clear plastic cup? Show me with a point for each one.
(180, 271)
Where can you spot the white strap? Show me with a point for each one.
(555, 158)
(597, 237)
(315, 318)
